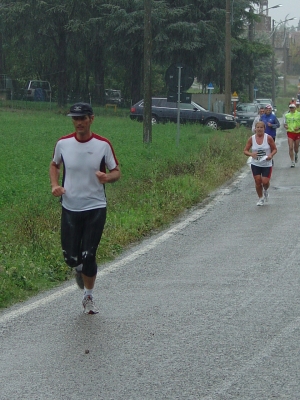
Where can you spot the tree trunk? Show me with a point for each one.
(136, 75)
(99, 93)
(62, 69)
(147, 126)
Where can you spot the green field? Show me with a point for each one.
(159, 181)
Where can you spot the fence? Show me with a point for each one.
(217, 101)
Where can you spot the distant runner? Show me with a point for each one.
(292, 125)
(270, 121)
(263, 149)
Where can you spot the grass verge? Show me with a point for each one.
(159, 181)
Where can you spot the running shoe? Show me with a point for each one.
(292, 164)
(78, 279)
(260, 202)
(89, 306)
(266, 196)
(296, 157)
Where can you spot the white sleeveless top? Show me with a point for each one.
(262, 150)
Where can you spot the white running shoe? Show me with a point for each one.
(260, 202)
(292, 164)
(89, 306)
(266, 196)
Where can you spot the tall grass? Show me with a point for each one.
(159, 181)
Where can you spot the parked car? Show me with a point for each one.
(163, 111)
(38, 91)
(246, 113)
(113, 96)
(264, 102)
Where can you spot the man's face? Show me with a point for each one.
(268, 111)
(292, 109)
(261, 111)
(82, 124)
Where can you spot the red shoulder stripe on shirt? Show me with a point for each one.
(98, 137)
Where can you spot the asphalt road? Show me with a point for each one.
(207, 309)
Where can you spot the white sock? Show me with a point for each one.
(87, 292)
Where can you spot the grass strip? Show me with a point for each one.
(159, 181)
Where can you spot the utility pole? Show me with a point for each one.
(285, 61)
(251, 63)
(228, 59)
(147, 117)
(273, 62)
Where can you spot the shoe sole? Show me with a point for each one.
(91, 312)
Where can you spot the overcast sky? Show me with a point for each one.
(290, 7)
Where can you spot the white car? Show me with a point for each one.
(265, 102)
(38, 91)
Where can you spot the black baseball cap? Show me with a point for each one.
(80, 109)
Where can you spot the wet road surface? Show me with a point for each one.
(207, 309)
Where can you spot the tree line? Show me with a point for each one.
(83, 47)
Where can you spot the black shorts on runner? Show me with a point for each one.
(266, 172)
(81, 233)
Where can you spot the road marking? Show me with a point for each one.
(26, 308)
(194, 216)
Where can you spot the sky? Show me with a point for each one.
(290, 7)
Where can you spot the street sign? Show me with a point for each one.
(234, 97)
(210, 88)
(186, 80)
(184, 97)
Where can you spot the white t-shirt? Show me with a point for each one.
(80, 161)
(263, 150)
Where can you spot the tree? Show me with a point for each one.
(83, 46)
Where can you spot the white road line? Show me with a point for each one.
(10, 315)
(45, 300)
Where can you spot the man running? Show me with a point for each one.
(261, 111)
(89, 162)
(270, 121)
(292, 125)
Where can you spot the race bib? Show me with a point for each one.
(261, 155)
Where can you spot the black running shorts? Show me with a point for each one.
(80, 237)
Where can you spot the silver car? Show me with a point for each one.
(38, 91)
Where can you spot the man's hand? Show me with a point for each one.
(111, 177)
(102, 177)
(57, 191)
